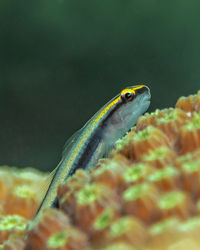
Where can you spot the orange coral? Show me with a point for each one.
(160, 157)
(20, 191)
(54, 231)
(14, 244)
(167, 120)
(189, 137)
(11, 224)
(124, 228)
(190, 103)
(141, 201)
(142, 142)
(145, 195)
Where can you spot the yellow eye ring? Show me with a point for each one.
(127, 95)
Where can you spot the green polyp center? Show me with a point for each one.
(172, 199)
(190, 224)
(143, 135)
(32, 174)
(24, 191)
(194, 123)
(119, 246)
(104, 219)
(120, 226)
(155, 113)
(89, 194)
(108, 166)
(161, 174)
(172, 116)
(191, 166)
(121, 143)
(134, 192)
(135, 172)
(161, 226)
(58, 239)
(186, 157)
(9, 222)
(198, 205)
(159, 153)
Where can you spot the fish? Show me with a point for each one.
(97, 137)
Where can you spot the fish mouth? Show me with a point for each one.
(145, 102)
(146, 98)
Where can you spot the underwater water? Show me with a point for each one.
(62, 60)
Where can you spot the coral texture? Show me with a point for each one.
(145, 195)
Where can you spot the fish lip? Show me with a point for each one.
(146, 98)
(146, 101)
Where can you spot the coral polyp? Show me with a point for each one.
(145, 195)
(55, 231)
(189, 104)
(189, 138)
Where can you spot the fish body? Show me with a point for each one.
(98, 136)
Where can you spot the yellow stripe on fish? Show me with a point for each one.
(97, 137)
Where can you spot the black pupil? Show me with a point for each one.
(128, 95)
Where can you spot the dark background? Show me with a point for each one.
(61, 60)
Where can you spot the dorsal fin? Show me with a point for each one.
(70, 142)
(47, 181)
(68, 145)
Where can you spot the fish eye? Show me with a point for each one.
(128, 96)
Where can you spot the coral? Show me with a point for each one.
(160, 157)
(144, 195)
(189, 104)
(14, 243)
(54, 231)
(167, 120)
(176, 203)
(124, 228)
(167, 178)
(20, 191)
(89, 202)
(19, 199)
(11, 224)
(190, 133)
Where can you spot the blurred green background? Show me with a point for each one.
(61, 60)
